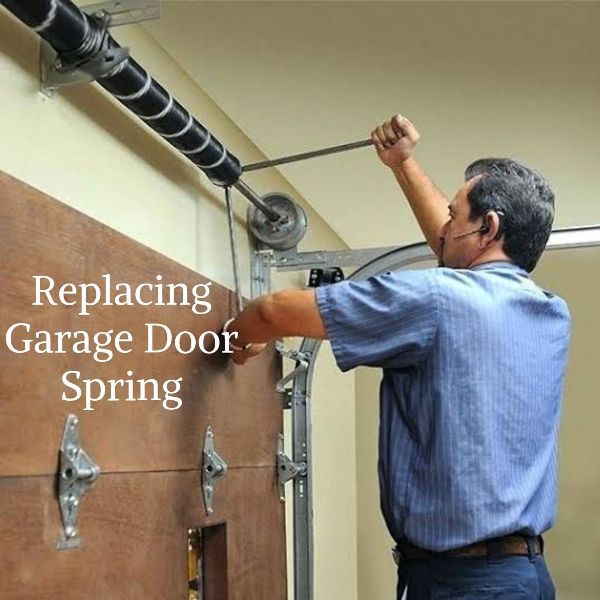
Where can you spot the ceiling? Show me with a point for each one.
(485, 78)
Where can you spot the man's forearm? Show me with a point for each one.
(280, 314)
(428, 204)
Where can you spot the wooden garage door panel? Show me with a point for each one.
(134, 537)
(137, 436)
(39, 235)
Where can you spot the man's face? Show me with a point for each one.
(458, 252)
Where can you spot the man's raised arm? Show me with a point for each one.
(395, 141)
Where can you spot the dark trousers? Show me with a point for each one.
(505, 578)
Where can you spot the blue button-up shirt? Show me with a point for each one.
(473, 366)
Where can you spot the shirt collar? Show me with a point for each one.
(500, 264)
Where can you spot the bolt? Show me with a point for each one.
(70, 531)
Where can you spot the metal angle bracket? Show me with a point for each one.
(292, 260)
(302, 362)
(213, 468)
(77, 473)
(287, 469)
(124, 12)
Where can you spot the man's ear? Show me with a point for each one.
(491, 228)
(500, 215)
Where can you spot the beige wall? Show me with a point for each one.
(573, 542)
(82, 148)
(477, 78)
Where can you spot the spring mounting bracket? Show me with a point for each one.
(54, 75)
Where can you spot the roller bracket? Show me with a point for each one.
(287, 398)
(77, 473)
(213, 468)
(287, 469)
(302, 361)
(319, 277)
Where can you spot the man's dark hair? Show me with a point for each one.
(525, 198)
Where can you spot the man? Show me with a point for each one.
(473, 356)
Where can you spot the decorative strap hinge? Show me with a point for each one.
(77, 473)
(213, 468)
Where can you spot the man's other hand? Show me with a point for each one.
(395, 140)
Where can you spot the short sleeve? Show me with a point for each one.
(386, 321)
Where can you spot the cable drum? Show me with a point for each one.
(285, 233)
